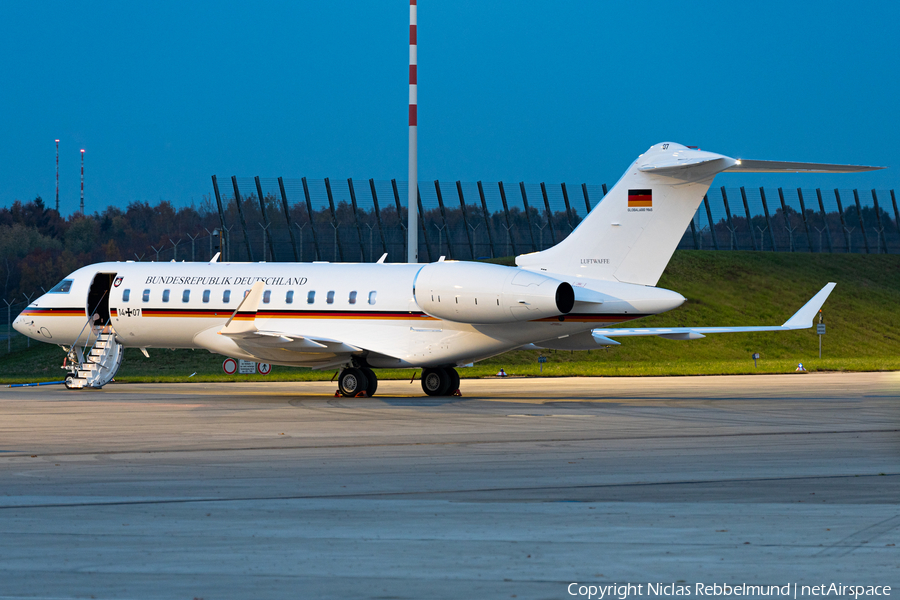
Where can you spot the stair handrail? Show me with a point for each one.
(89, 320)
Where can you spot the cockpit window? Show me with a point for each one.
(62, 287)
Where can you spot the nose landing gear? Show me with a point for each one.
(440, 381)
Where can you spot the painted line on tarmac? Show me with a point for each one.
(440, 492)
(15, 454)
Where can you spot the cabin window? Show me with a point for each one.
(311, 297)
(205, 296)
(186, 295)
(226, 296)
(63, 287)
(329, 298)
(289, 297)
(165, 295)
(267, 296)
(372, 296)
(352, 298)
(126, 295)
(145, 297)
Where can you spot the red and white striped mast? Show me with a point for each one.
(82, 181)
(57, 176)
(412, 251)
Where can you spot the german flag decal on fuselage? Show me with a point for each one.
(640, 198)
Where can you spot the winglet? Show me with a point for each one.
(244, 317)
(380, 261)
(803, 318)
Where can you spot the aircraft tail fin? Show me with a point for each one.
(631, 235)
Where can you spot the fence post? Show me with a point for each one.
(565, 194)
(422, 222)
(509, 235)
(880, 226)
(8, 326)
(378, 215)
(440, 199)
(487, 220)
(334, 221)
(312, 219)
(237, 201)
(465, 216)
(805, 222)
(287, 218)
(549, 213)
(862, 226)
(534, 247)
(712, 226)
(694, 235)
(762, 194)
(749, 218)
(265, 216)
(730, 220)
(787, 222)
(362, 252)
(837, 195)
(218, 201)
(587, 200)
(825, 219)
(400, 217)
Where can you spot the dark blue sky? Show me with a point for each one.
(162, 95)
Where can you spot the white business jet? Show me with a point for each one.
(359, 317)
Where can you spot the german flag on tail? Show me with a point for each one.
(640, 198)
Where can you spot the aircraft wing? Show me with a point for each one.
(279, 346)
(802, 319)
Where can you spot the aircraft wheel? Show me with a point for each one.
(372, 380)
(351, 382)
(454, 380)
(435, 381)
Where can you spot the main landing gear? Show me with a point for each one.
(440, 381)
(354, 381)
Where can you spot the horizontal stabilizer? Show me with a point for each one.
(776, 166)
(802, 319)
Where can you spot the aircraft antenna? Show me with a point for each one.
(412, 250)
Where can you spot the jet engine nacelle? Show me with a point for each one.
(468, 292)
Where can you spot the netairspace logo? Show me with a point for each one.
(623, 591)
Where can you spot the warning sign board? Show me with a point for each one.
(246, 367)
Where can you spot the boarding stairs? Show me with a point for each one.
(99, 365)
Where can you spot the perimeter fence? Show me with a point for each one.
(348, 221)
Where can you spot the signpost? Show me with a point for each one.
(755, 358)
(245, 367)
(229, 366)
(820, 331)
(541, 361)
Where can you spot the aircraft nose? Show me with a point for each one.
(19, 324)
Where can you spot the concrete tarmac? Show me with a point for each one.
(515, 490)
